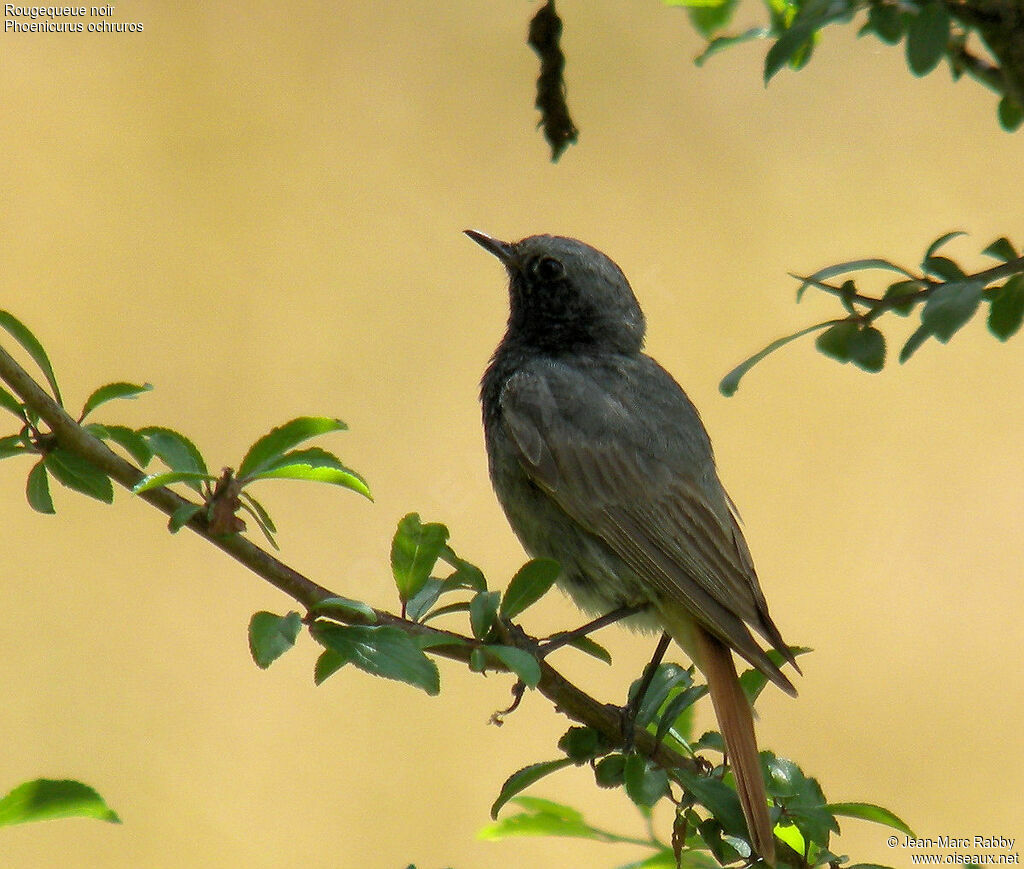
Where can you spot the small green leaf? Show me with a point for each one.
(79, 474)
(20, 332)
(949, 307)
(555, 821)
(45, 799)
(943, 267)
(465, 575)
(259, 513)
(155, 481)
(610, 771)
(182, 516)
(530, 584)
(271, 635)
(645, 783)
(836, 341)
(941, 241)
(867, 349)
(903, 290)
(12, 445)
(873, 813)
(110, 392)
(311, 464)
(582, 744)
(1011, 114)
(519, 661)
(9, 402)
(720, 43)
(710, 17)
(522, 779)
(1007, 308)
(921, 334)
(678, 715)
(857, 265)
(128, 439)
(887, 22)
(594, 649)
(666, 677)
(37, 489)
(717, 797)
(1001, 249)
(415, 549)
(788, 46)
(175, 450)
(927, 38)
(459, 607)
(483, 610)
(753, 680)
(730, 383)
(283, 438)
(327, 665)
(347, 608)
(381, 650)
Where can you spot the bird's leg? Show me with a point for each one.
(566, 637)
(631, 709)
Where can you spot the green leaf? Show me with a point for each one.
(887, 22)
(37, 489)
(483, 610)
(327, 665)
(415, 549)
(544, 818)
(927, 38)
(20, 332)
(155, 481)
(259, 513)
(873, 813)
(857, 265)
(110, 392)
(381, 650)
(531, 582)
(943, 267)
(665, 678)
(949, 307)
(582, 744)
(79, 474)
(182, 516)
(271, 635)
(594, 649)
(1007, 308)
(1011, 114)
(788, 46)
(311, 464)
(522, 779)
(1001, 249)
(519, 661)
(941, 241)
(717, 797)
(867, 349)
(901, 290)
(645, 783)
(466, 575)
(753, 680)
(459, 607)
(175, 450)
(921, 334)
(281, 439)
(720, 43)
(730, 383)
(346, 607)
(710, 16)
(12, 445)
(12, 404)
(835, 342)
(420, 603)
(45, 799)
(802, 798)
(610, 771)
(678, 714)
(128, 439)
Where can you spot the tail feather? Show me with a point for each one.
(736, 721)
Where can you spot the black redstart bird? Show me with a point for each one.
(601, 462)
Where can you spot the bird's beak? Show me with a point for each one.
(501, 249)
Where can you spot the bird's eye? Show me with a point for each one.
(548, 269)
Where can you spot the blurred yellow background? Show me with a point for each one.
(258, 208)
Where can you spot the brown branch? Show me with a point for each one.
(566, 697)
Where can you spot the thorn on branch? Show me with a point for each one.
(545, 39)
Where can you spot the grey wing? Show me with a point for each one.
(646, 484)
